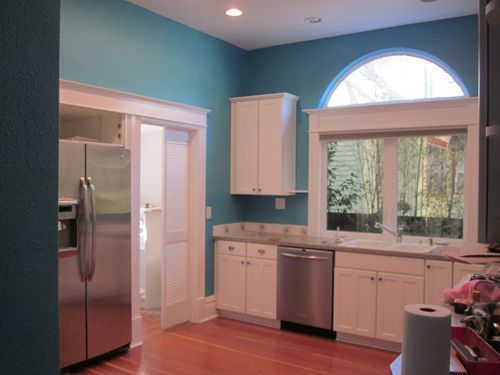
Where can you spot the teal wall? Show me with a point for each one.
(118, 45)
(29, 80)
(307, 69)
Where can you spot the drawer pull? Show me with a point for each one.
(262, 251)
(231, 248)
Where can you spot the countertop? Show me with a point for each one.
(328, 244)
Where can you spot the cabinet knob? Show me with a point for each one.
(259, 189)
(262, 251)
(248, 263)
(231, 248)
(372, 278)
(253, 189)
(379, 279)
(242, 262)
(428, 266)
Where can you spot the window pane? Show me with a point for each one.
(430, 185)
(355, 179)
(395, 78)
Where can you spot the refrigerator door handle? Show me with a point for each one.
(83, 222)
(91, 188)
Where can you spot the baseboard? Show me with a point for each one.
(369, 341)
(136, 332)
(207, 308)
(271, 323)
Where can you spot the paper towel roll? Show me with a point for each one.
(426, 340)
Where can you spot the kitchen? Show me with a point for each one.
(111, 23)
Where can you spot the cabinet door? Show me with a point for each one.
(261, 288)
(462, 269)
(355, 301)
(393, 293)
(244, 148)
(270, 171)
(231, 283)
(438, 275)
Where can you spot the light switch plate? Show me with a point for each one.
(208, 213)
(279, 203)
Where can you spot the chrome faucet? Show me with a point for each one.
(396, 233)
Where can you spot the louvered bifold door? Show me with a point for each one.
(175, 299)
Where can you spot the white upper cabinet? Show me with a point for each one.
(263, 144)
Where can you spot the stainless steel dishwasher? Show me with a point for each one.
(305, 286)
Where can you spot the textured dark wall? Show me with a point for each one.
(29, 74)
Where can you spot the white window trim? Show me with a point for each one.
(441, 114)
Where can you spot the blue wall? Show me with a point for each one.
(118, 45)
(306, 69)
(29, 78)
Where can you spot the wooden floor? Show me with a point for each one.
(222, 346)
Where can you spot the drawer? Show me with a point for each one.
(380, 263)
(232, 248)
(255, 250)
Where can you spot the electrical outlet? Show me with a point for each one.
(279, 203)
(208, 213)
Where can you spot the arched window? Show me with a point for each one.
(395, 77)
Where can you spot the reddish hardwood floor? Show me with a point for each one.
(223, 346)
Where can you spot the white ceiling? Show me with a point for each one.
(273, 22)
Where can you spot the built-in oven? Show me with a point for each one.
(305, 287)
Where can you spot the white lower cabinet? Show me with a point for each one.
(438, 277)
(246, 283)
(393, 293)
(462, 269)
(231, 283)
(369, 301)
(261, 288)
(355, 301)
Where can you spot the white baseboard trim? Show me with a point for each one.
(368, 341)
(250, 319)
(136, 332)
(207, 308)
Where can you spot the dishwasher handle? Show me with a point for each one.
(313, 257)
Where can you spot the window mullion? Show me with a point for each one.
(390, 182)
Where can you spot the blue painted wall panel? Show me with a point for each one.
(118, 45)
(306, 69)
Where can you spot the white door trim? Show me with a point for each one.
(138, 109)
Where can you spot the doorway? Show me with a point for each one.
(137, 109)
(164, 245)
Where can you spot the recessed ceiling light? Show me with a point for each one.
(234, 12)
(312, 19)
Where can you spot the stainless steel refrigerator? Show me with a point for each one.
(94, 250)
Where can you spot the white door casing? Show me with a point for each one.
(135, 110)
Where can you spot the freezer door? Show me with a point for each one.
(109, 285)
(71, 286)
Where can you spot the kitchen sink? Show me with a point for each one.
(367, 244)
(412, 247)
(391, 246)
